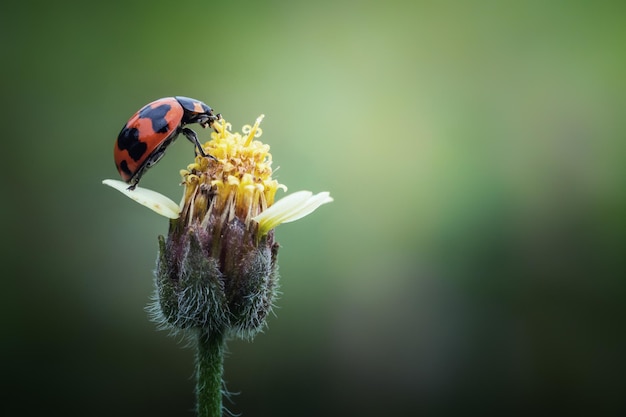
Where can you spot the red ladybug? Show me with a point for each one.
(144, 138)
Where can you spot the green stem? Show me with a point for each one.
(209, 370)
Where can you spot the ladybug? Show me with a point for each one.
(146, 135)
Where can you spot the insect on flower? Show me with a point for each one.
(147, 134)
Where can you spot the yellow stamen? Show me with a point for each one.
(239, 182)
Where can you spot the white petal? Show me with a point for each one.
(291, 208)
(151, 199)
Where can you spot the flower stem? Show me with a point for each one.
(209, 370)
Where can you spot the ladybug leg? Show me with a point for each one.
(131, 187)
(193, 138)
(133, 182)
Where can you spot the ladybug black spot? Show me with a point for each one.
(157, 116)
(124, 168)
(128, 139)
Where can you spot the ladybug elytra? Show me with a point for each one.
(144, 138)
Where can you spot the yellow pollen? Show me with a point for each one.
(238, 183)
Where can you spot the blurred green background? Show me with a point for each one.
(472, 261)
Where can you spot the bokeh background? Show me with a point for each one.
(473, 260)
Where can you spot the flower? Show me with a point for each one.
(217, 271)
(243, 184)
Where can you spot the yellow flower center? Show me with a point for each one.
(237, 184)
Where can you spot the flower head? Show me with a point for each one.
(217, 270)
(238, 184)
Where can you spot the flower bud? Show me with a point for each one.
(225, 286)
(215, 272)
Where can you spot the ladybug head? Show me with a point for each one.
(205, 120)
(196, 111)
